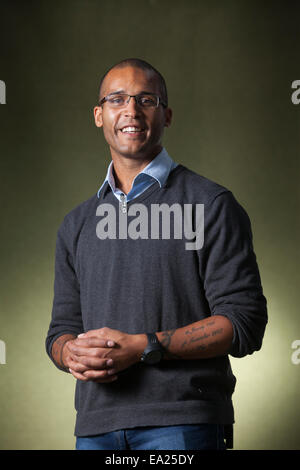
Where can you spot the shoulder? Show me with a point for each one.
(218, 200)
(74, 220)
(196, 186)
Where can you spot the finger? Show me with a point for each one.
(103, 333)
(89, 351)
(78, 376)
(90, 333)
(91, 341)
(93, 362)
(96, 374)
(107, 379)
(82, 364)
(76, 366)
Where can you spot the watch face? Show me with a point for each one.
(153, 357)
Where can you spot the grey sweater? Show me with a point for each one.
(149, 285)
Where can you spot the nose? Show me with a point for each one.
(132, 108)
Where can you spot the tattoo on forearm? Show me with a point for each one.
(202, 347)
(206, 339)
(202, 327)
(166, 338)
(166, 341)
(217, 332)
(190, 332)
(57, 350)
(194, 339)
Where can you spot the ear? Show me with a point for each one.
(168, 117)
(98, 116)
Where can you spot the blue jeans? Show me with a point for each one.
(183, 437)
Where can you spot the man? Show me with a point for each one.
(142, 318)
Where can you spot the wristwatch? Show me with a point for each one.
(153, 352)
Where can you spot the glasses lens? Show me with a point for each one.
(117, 100)
(121, 99)
(147, 101)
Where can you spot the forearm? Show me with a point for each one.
(206, 338)
(58, 349)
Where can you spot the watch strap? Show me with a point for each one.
(153, 345)
(152, 339)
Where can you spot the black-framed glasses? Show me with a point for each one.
(145, 100)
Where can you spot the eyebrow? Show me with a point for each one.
(116, 92)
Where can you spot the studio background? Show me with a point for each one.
(229, 66)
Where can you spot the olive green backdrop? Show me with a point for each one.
(229, 66)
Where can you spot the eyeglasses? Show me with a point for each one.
(145, 100)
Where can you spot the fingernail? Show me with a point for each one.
(110, 343)
(109, 362)
(111, 372)
(81, 335)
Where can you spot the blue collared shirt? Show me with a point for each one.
(157, 170)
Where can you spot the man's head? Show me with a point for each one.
(117, 114)
(142, 65)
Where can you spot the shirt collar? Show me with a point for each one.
(159, 169)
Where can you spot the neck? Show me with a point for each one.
(126, 169)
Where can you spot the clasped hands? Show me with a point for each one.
(99, 355)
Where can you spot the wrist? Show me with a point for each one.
(64, 353)
(140, 342)
(63, 356)
(57, 350)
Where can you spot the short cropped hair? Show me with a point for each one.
(140, 64)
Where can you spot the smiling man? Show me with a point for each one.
(144, 324)
(133, 128)
(133, 118)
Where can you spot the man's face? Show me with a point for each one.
(150, 121)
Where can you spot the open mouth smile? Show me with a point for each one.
(132, 131)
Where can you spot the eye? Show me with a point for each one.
(117, 99)
(147, 100)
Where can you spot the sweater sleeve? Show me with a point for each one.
(230, 273)
(66, 311)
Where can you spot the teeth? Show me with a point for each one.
(131, 129)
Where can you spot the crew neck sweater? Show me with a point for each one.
(143, 285)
